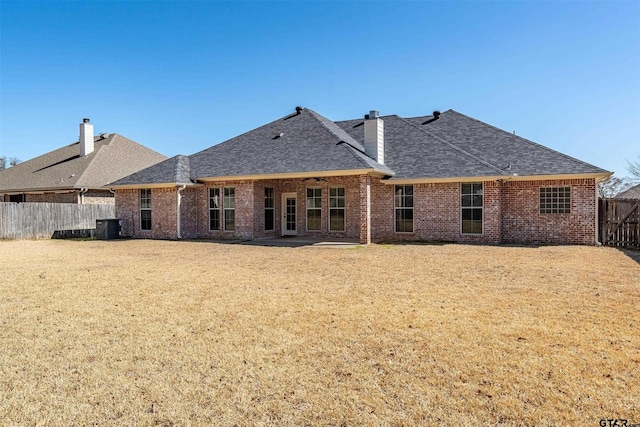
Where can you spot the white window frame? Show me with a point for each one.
(215, 209)
(462, 208)
(342, 208)
(271, 210)
(146, 208)
(227, 201)
(314, 208)
(399, 203)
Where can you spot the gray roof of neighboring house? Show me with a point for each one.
(452, 146)
(631, 193)
(114, 157)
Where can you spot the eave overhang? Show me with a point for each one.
(294, 175)
(600, 176)
(153, 185)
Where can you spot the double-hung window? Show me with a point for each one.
(269, 209)
(404, 208)
(337, 209)
(314, 209)
(145, 209)
(471, 207)
(555, 200)
(214, 209)
(229, 205)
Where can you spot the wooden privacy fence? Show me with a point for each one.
(620, 222)
(42, 220)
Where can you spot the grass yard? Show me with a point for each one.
(194, 333)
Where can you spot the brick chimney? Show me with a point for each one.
(86, 138)
(374, 136)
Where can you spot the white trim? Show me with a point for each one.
(225, 209)
(272, 209)
(467, 179)
(154, 185)
(283, 223)
(395, 208)
(460, 194)
(306, 208)
(344, 209)
(150, 210)
(209, 209)
(291, 175)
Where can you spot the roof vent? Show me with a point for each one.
(436, 115)
(298, 110)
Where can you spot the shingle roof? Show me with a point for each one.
(452, 146)
(631, 193)
(174, 171)
(413, 153)
(114, 157)
(504, 150)
(300, 143)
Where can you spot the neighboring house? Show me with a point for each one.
(631, 193)
(445, 177)
(77, 173)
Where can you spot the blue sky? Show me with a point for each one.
(181, 76)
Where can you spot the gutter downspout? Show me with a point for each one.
(178, 219)
(81, 195)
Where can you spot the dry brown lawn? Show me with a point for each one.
(195, 333)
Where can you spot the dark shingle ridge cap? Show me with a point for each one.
(354, 147)
(182, 172)
(527, 141)
(455, 147)
(335, 130)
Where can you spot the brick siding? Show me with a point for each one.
(90, 197)
(522, 221)
(510, 211)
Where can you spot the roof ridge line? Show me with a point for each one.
(179, 158)
(455, 147)
(313, 114)
(96, 151)
(526, 140)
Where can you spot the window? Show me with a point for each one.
(229, 204)
(336, 208)
(314, 209)
(17, 198)
(404, 208)
(269, 209)
(145, 209)
(214, 209)
(471, 207)
(555, 200)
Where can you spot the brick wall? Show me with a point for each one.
(250, 207)
(522, 221)
(52, 198)
(510, 211)
(164, 202)
(99, 197)
(90, 197)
